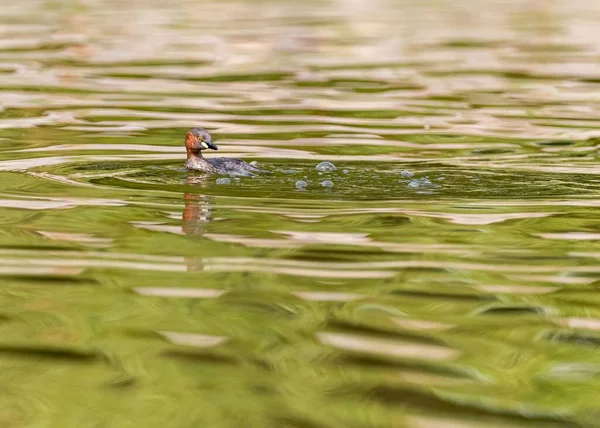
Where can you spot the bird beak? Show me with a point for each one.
(210, 145)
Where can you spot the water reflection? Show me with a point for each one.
(196, 216)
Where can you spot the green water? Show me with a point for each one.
(136, 294)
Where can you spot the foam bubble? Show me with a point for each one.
(325, 167)
(301, 184)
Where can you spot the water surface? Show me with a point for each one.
(138, 294)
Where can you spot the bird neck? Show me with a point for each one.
(197, 154)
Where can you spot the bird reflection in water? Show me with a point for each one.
(196, 216)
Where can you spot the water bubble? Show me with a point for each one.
(327, 183)
(407, 174)
(422, 183)
(325, 167)
(223, 181)
(301, 184)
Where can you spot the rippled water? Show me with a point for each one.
(135, 293)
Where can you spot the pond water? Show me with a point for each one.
(443, 275)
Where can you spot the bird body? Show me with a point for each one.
(220, 166)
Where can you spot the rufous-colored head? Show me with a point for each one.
(198, 139)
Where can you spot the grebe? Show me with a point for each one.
(199, 139)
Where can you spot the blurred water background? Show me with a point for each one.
(446, 276)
